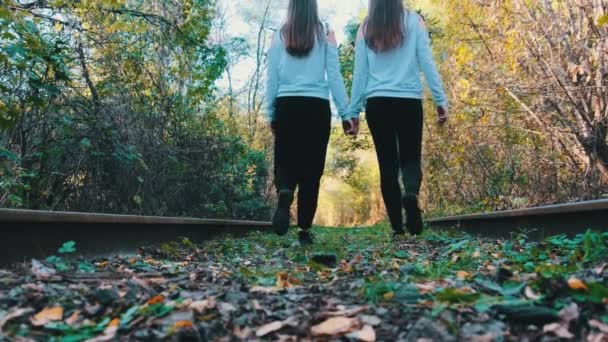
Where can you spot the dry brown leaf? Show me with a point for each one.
(577, 284)
(285, 281)
(47, 315)
(530, 294)
(266, 290)
(12, 314)
(269, 328)
(73, 319)
(201, 306)
(476, 254)
(183, 325)
(366, 334)
(370, 320)
(599, 326)
(559, 330)
(463, 275)
(569, 313)
(425, 288)
(600, 269)
(156, 300)
(599, 337)
(335, 326)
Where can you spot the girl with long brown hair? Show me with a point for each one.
(392, 47)
(302, 69)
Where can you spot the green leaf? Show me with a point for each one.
(454, 295)
(4, 13)
(402, 255)
(68, 247)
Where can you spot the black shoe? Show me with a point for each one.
(414, 215)
(305, 238)
(398, 234)
(281, 218)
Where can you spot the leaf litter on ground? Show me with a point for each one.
(355, 284)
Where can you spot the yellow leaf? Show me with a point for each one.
(463, 275)
(335, 326)
(603, 20)
(389, 295)
(577, 284)
(48, 315)
(58, 27)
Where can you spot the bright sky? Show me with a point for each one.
(335, 12)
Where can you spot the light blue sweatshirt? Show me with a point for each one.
(311, 76)
(396, 73)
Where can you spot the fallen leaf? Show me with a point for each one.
(426, 288)
(389, 295)
(335, 326)
(156, 300)
(201, 306)
(183, 325)
(577, 284)
(269, 328)
(476, 254)
(599, 337)
(463, 275)
(569, 313)
(41, 271)
(266, 290)
(50, 314)
(530, 294)
(366, 334)
(73, 319)
(112, 327)
(12, 314)
(599, 326)
(285, 281)
(558, 329)
(370, 320)
(600, 269)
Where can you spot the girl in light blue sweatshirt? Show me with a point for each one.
(392, 49)
(302, 69)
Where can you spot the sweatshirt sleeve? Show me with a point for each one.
(424, 54)
(360, 77)
(336, 81)
(272, 78)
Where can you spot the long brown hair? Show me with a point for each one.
(384, 28)
(303, 27)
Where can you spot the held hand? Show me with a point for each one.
(442, 115)
(351, 126)
(355, 129)
(347, 126)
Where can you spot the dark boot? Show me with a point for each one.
(414, 215)
(281, 219)
(306, 238)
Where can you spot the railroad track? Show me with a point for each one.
(30, 234)
(536, 222)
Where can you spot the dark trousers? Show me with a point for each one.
(396, 127)
(302, 128)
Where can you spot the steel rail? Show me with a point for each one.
(538, 221)
(26, 234)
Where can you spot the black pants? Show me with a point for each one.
(396, 127)
(301, 136)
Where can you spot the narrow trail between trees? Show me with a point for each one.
(353, 284)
